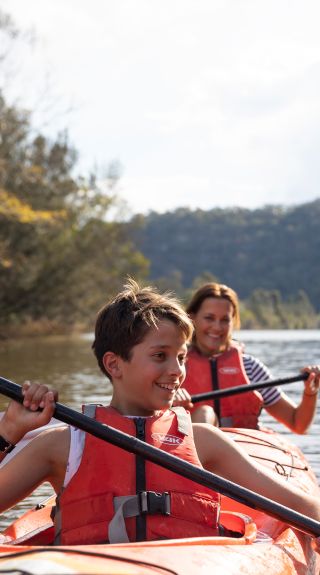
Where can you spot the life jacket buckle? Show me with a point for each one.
(152, 502)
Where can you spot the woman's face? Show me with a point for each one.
(213, 325)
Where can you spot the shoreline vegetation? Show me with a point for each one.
(68, 242)
(263, 310)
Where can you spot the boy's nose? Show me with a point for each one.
(176, 368)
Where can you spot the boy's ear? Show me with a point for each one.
(111, 362)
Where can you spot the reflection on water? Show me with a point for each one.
(68, 364)
(65, 363)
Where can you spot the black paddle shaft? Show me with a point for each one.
(173, 463)
(245, 388)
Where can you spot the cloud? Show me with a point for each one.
(205, 103)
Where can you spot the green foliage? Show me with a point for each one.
(61, 254)
(275, 249)
(266, 309)
(64, 249)
(263, 309)
(204, 278)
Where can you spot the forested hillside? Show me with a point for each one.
(65, 246)
(272, 248)
(59, 256)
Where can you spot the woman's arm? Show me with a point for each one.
(298, 418)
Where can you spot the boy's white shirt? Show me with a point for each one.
(77, 437)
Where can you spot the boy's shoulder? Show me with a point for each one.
(209, 441)
(52, 444)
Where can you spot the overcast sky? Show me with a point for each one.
(205, 103)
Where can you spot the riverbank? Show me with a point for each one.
(27, 327)
(39, 328)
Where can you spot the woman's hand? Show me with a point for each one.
(311, 385)
(183, 398)
(37, 410)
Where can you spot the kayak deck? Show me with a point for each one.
(267, 546)
(287, 554)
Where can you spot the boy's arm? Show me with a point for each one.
(225, 458)
(43, 459)
(21, 418)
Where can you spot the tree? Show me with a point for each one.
(59, 255)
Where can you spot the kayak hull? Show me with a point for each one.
(267, 546)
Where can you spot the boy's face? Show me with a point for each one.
(149, 380)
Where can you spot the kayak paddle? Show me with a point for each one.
(218, 393)
(173, 463)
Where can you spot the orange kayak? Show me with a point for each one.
(266, 545)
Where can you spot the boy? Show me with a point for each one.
(141, 340)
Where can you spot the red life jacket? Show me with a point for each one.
(224, 371)
(168, 505)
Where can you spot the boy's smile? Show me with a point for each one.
(149, 380)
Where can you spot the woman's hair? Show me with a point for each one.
(219, 291)
(125, 320)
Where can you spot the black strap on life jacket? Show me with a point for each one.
(143, 503)
(215, 386)
(141, 525)
(155, 502)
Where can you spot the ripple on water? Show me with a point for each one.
(68, 364)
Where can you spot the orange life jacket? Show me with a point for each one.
(109, 478)
(226, 370)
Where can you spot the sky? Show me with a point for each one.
(203, 103)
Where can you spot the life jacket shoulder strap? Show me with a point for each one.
(183, 419)
(89, 409)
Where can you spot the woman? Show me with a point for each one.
(216, 361)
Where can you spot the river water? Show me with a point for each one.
(68, 364)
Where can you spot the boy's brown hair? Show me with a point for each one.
(124, 321)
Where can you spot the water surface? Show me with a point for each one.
(68, 364)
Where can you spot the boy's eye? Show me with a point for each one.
(159, 355)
